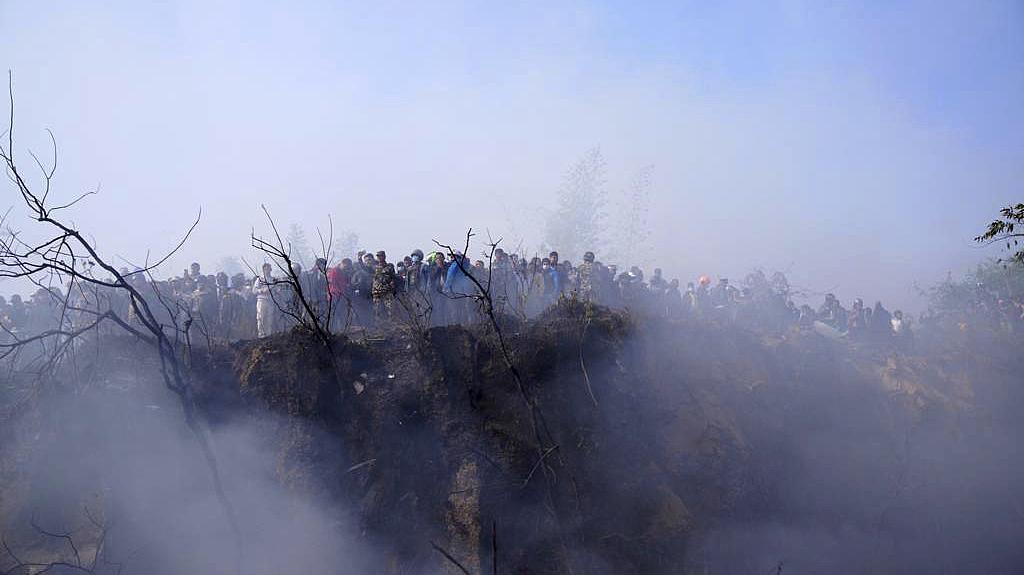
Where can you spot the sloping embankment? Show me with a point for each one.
(645, 447)
(633, 446)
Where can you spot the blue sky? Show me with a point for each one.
(858, 146)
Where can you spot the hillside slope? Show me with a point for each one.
(633, 446)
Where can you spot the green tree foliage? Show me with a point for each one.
(988, 282)
(576, 224)
(1008, 228)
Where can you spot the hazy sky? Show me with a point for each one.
(857, 147)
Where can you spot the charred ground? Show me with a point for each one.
(666, 447)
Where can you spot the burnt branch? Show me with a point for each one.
(449, 557)
(483, 296)
(302, 310)
(66, 255)
(545, 444)
(98, 565)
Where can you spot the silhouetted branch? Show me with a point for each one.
(20, 565)
(277, 251)
(1006, 229)
(449, 557)
(494, 548)
(68, 254)
(66, 536)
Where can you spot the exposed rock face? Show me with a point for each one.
(638, 446)
(654, 436)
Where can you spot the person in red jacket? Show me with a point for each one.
(337, 287)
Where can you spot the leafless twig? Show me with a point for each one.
(449, 557)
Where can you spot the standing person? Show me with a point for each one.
(265, 308)
(293, 284)
(502, 285)
(703, 293)
(832, 313)
(414, 272)
(460, 288)
(658, 283)
(585, 279)
(383, 288)
(245, 315)
(4, 322)
(690, 305)
(227, 307)
(548, 274)
(553, 258)
(361, 285)
(346, 305)
(631, 285)
(403, 274)
(535, 284)
(190, 277)
(567, 275)
(337, 286)
(434, 274)
(857, 319)
(479, 271)
(881, 322)
(399, 277)
(901, 330)
(558, 275)
(673, 300)
(205, 306)
(316, 283)
(438, 271)
(723, 294)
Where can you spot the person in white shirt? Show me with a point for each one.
(265, 307)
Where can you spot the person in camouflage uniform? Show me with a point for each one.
(383, 288)
(586, 278)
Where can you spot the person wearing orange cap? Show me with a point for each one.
(702, 292)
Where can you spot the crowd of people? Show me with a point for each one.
(370, 292)
(974, 305)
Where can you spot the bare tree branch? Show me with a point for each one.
(66, 254)
(449, 557)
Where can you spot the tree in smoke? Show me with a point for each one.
(575, 226)
(633, 234)
(230, 265)
(1008, 228)
(344, 246)
(298, 246)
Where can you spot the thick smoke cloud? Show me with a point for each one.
(123, 454)
(857, 149)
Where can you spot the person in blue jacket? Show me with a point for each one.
(457, 282)
(459, 289)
